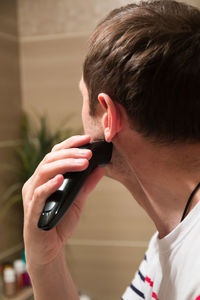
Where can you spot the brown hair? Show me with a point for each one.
(147, 58)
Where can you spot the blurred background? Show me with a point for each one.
(42, 46)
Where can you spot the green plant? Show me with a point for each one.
(36, 141)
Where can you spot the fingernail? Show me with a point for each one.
(84, 151)
(80, 161)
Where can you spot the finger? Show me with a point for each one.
(73, 142)
(62, 159)
(50, 170)
(67, 153)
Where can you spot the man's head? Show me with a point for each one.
(146, 57)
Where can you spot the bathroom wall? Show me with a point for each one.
(10, 227)
(192, 2)
(114, 231)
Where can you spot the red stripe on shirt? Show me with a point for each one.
(147, 279)
(154, 295)
(150, 282)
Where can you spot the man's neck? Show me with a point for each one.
(166, 199)
(161, 179)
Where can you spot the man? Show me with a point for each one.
(141, 90)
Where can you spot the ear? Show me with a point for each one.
(111, 116)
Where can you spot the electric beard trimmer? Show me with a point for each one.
(59, 202)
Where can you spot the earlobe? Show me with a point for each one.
(111, 116)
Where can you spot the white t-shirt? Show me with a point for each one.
(171, 267)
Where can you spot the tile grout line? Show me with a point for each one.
(11, 251)
(9, 143)
(107, 243)
(9, 36)
(53, 36)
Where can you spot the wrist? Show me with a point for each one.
(35, 268)
(52, 280)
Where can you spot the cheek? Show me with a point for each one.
(91, 125)
(84, 114)
(85, 118)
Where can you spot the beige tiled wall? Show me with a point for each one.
(11, 227)
(51, 70)
(192, 2)
(48, 17)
